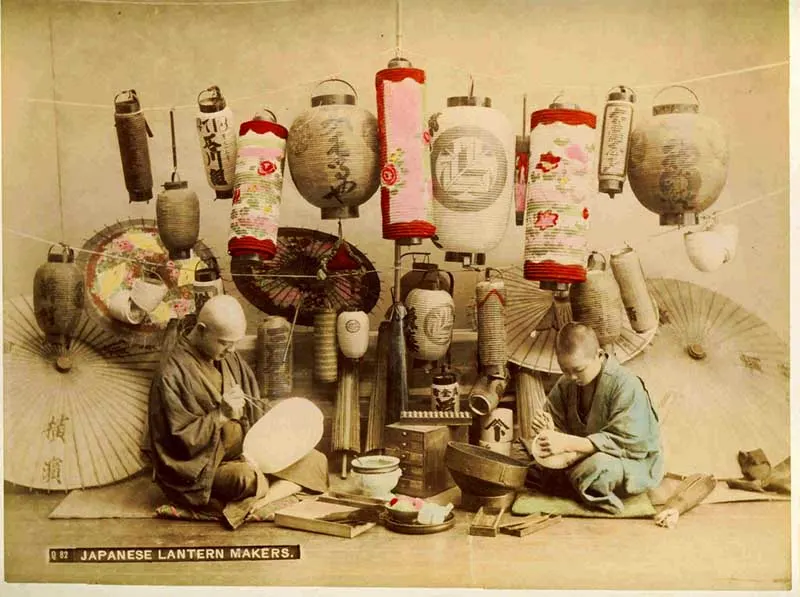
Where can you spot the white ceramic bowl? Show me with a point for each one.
(377, 475)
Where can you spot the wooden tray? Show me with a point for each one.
(304, 516)
(415, 528)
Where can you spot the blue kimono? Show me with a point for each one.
(623, 426)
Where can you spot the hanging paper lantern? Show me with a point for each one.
(597, 302)
(207, 284)
(255, 213)
(58, 295)
(274, 357)
(429, 321)
(521, 177)
(333, 154)
(132, 133)
(627, 270)
(406, 189)
(615, 140)
(472, 162)
(490, 298)
(678, 162)
(711, 246)
(217, 132)
(178, 218)
(560, 181)
(352, 333)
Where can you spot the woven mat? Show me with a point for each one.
(638, 506)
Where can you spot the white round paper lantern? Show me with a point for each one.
(289, 431)
(352, 332)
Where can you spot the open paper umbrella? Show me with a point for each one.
(74, 417)
(120, 254)
(719, 378)
(298, 281)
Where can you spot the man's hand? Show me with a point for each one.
(233, 403)
(551, 442)
(541, 422)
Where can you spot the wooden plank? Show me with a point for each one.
(485, 523)
(304, 516)
(531, 527)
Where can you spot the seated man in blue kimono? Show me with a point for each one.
(203, 400)
(599, 419)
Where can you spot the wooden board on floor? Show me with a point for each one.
(304, 516)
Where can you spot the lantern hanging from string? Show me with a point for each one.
(406, 189)
(597, 302)
(521, 167)
(217, 132)
(678, 161)
(430, 318)
(255, 213)
(636, 299)
(333, 153)
(132, 133)
(58, 295)
(472, 163)
(711, 245)
(352, 333)
(325, 357)
(490, 300)
(177, 211)
(423, 270)
(274, 357)
(612, 166)
(207, 284)
(560, 182)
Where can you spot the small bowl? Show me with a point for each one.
(377, 475)
(404, 516)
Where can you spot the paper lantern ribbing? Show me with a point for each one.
(333, 154)
(352, 333)
(560, 180)
(612, 166)
(58, 295)
(406, 189)
(678, 162)
(216, 130)
(627, 270)
(325, 357)
(274, 357)
(491, 300)
(255, 213)
(429, 321)
(132, 133)
(472, 163)
(597, 302)
(178, 218)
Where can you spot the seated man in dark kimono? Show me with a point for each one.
(599, 421)
(203, 400)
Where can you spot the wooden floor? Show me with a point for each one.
(744, 546)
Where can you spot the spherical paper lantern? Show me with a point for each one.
(217, 132)
(678, 162)
(333, 154)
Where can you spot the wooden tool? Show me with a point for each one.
(530, 524)
(485, 523)
(435, 417)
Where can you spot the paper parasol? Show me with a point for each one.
(533, 318)
(299, 277)
(731, 395)
(73, 418)
(116, 256)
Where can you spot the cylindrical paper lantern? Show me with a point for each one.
(255, 214)
(274, 357)
(325, 358)
(486, 394)
(560, 179)
(678, 162)
(429, 323)
(352, 333)
(636, 298)
(597, 302)
(445, 394)
(498, 426)
(58, 295)
(132, 133)
(178, 218)
(333, 154)
(217, 132)
(472, 163)
(612, 165)
(207, 283)
(406, 189)
(490, 298)
(521, 162)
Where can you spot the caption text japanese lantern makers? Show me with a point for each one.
(678, 162)
(132, 133)
(472, 164)
(430, 318)
(217, 132)
(597, 302)
(58, 295)
(178, 218)
(333, 154)
(612, 164)
(258, 182)
(560, 180)
(406, 189)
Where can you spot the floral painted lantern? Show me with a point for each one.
(258, 183)
(333, 154)
(217, 132)
(406, 189)
(560, 181)
(58, 295)
(678, 162)
(472, 163)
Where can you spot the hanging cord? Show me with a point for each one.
(398, 29)
(57, 140)
(175, 174)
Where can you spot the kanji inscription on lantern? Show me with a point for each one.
(498, 427)
(445, 397)
(751, 362)
(338, 154)
(209, 128)
(56, 428)
(51, 470)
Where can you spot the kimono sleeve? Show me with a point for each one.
(555, 405)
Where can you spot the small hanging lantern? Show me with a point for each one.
(58, 295)
(597, 302)
(615, 140)
(177, 211)
(352, 333)
(472, 163)
(490, 299)
(560, 181)
(636, 299)
(678, 162)
(207, 283)
(255, 213)
(430, 318)
(521, 166)
(132, 133)
(217, 132)
(333, 154)
(406, 189)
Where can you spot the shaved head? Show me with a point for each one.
(577, 339)
(224, 317)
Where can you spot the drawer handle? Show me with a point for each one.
(404, 455)
(404, 444)
(404, 433)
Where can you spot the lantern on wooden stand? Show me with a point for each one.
(678, 161)
(333, 153)
(132, 133)
(217, 132)
(406, 189)
(472, 163)
(258, 182)
(597, 302)
(560, 180)
(612, 165)
(430, 318)
(58, 295)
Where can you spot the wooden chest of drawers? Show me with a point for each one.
(420, 449)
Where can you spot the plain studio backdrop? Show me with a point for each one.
(66, 156)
